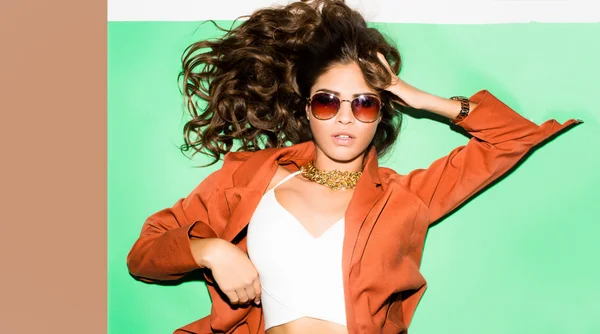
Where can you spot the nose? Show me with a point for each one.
(345, 115)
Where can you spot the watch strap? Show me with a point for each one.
(464, 108)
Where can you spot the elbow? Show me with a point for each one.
(137, 267)
(134, 265)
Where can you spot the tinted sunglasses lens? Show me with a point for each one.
(366, 108)
(324, 106)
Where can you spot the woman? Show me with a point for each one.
(300, 231)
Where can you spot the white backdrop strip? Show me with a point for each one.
(393, 11)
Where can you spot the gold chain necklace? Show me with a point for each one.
(334, 179)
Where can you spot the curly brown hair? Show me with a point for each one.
(255, 79)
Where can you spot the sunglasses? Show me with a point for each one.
(365, 108)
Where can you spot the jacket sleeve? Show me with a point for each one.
(501, 137)
(162, 252)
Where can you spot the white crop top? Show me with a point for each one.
(300, 275)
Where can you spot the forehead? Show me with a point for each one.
(344, 78)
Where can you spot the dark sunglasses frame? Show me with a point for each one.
(309, 101)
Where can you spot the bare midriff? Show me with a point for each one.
(308, 325)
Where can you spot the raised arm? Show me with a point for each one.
(501, 137)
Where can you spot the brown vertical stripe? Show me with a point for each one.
(53, 218)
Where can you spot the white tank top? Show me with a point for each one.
(300, 275)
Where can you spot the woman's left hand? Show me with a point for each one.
(419, 99)
(409, 94)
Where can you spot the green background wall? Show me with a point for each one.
(520, 258)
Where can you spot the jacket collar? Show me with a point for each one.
(264, 161)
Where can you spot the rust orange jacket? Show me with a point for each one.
(386, 221)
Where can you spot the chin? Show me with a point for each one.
(344, 154)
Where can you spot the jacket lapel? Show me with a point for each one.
(368, 192)
(252, 178)
(241, 202)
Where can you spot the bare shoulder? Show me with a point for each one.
(280, 174)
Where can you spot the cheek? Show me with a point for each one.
(319, 128)
(368, 132)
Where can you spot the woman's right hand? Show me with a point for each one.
(231, 269)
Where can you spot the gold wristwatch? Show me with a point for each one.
(464, 108)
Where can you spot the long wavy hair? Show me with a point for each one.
(248, 88)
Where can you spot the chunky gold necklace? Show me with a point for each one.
(334, 179)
